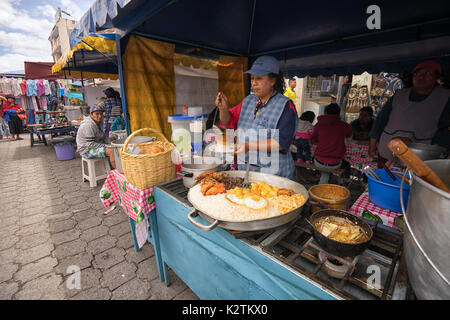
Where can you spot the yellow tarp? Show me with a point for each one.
(149, 79)
(103, 45)
(232, 79)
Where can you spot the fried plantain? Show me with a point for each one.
(285, 192)
(216, 189)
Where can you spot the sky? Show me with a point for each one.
(25, 26)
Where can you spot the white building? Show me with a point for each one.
(59, 37)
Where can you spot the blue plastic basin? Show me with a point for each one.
(386, 193)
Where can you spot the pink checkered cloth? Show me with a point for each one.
(132, 199)
(363, 203)
(136, 203)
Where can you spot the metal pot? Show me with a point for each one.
(340, 248)
(331, 195)
(427, 239)
(192, 169)
(427, 151)
(253, 225)
(116, 145)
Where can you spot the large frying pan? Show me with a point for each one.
(336, 247)
(252, 225)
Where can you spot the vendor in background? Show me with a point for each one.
(346, 84)
(362, 126)
(118, 124)
(113, 107)
(289, 92)
(419, 114)
(13, 113)
(91, 140)
(266, 109)
(4, 128)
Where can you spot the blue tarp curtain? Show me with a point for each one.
(307, 37)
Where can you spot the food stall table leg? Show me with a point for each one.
(153, 238)
(31, 137)
(133, 233)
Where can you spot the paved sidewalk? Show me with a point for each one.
(50, 220)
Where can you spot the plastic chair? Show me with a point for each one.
(97, 169)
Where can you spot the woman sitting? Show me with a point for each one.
(118, 124)
(329, 134)
(91, 140)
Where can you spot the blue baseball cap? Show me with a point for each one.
(264, 65)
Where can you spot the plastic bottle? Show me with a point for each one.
(185, 111)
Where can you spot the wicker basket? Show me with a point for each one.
(146, 170)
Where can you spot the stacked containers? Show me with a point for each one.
(193, 127)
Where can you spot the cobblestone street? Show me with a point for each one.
(50, 219)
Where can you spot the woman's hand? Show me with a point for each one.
(222, 101)
(372, 147)
(222, 104)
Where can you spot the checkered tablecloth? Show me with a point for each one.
(136, 203)
(357, 155)
(363, 203)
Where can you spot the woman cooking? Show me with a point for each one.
(268, 114)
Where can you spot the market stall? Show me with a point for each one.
(281, 263)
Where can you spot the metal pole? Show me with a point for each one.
(122, 86)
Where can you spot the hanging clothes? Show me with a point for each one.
(34, 103)
(32, 89)
(6, 86)
(40, 87)
(24, 87)
(53, 85)
(47, 90)
(378, 85)
(393, 83)
(43, 102)
(17, 91)
(357, 98)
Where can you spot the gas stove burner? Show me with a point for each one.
(336, 267)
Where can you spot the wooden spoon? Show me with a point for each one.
(416, 164)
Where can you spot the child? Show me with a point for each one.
(329, 134)
(302, 136)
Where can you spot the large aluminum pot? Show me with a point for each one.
(427, 238)
(427, 151)
(116, 145)
(195, 167)
(252, 225)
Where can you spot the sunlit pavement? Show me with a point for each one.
(52, 223)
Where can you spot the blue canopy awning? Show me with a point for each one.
(307, 37)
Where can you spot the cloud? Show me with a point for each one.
(72, 8)
(25, 27)
(12, 18)
(47, 11)
(24, 44)
(13, 61)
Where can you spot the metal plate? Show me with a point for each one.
(260, 224)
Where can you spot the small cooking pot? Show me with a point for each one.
(191, 169)
(336, 247)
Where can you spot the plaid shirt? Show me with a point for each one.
(109, 115)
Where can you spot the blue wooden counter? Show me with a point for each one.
(216, 265)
